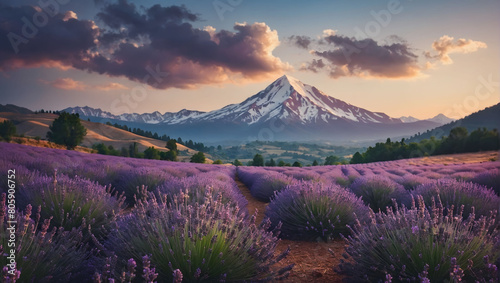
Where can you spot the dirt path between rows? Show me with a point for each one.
(313, 261)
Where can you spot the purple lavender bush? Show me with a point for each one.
(454, 194)
(73, 203)
(305, 175)
(424, 245)
(310, 211)
(41, 254)
(208, 241)
(336, 177)
(268, 183)
(378, 191)
(410, 181)
(490, 179)
(131, 180)
(196, 188)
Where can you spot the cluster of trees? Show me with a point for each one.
(48, 111)
(258, 160)
(149, 153)
(67, 130)
(458, 141)
(7, 130)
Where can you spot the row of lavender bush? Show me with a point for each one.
(450, 234)
(154, 221)
(143, 220)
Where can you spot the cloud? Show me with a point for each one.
(110, 86)
(446, 45)
(43, 40)
(66, 84)
(70, 84)
(145, 45)
(300, 41)
(363, 58)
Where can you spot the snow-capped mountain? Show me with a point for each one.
(441, 119)
(148, 118)
(408, 119)
(285, 110)
(286, 99)
(291, 100)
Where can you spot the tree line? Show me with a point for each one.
(458, 141)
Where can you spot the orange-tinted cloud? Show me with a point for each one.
(157, 46)
(447, 45)
(110, 86)
(66, 84)
(70, 84)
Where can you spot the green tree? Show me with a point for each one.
(357, 158)
(237, 163)
(271, 163)
(172, 145)
(332, 160)
(7, 130)
(218, 161)
(281, 163)
(152, 153)
(67, 130)
(169, 155)
(258, 160)
(198, 157)
(315, 163)
(296, 164)
(133, 150)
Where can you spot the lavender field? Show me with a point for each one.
(95, 218)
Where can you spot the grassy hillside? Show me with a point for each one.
(37, 125)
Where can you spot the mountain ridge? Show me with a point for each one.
(286, 110)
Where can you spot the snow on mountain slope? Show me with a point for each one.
(408, 119)
(289, 99)
(286, 99)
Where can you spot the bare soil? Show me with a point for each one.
(313, 261)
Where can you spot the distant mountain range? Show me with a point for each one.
(440, 119)
(286, 110)
(488, 118)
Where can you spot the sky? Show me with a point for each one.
(400, 57)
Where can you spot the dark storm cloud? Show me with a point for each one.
(144, 43)
(365, 58)
(31, 37)
(314, 66)
(300, 41)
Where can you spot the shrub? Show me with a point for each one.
(41, 254)
(247, 175)
(421, 244)
(378, 191)
(490, 179)
(134, 178)
(457, 193)
(73, 203)
(410, 181)
(304, 175)
(309, 211)
(196, 188)
(205, 242)
(268, 183)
